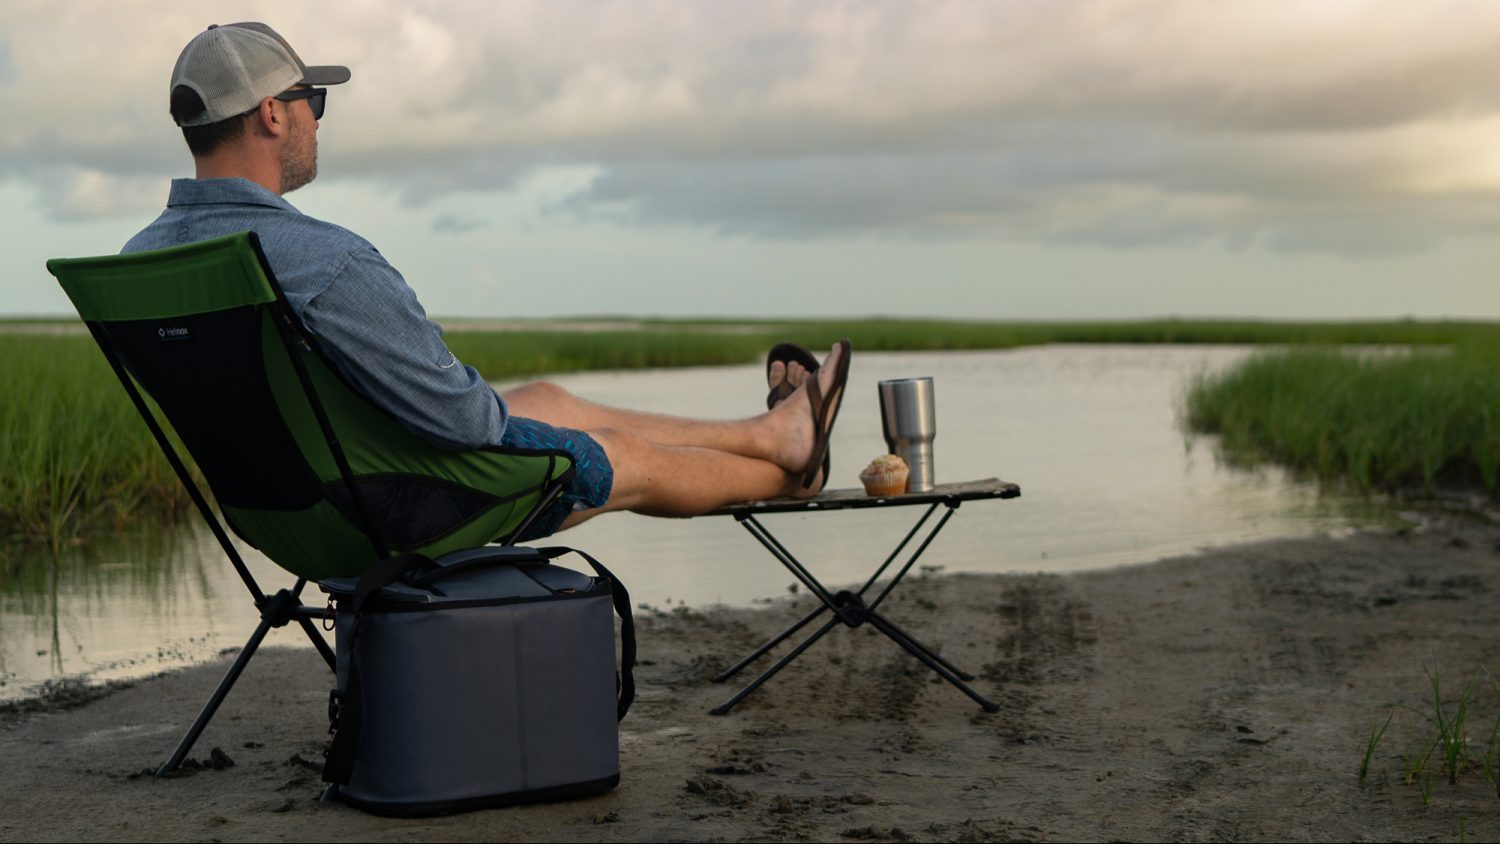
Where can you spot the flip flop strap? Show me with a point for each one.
(815, 395)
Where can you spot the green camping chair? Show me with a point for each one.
(300, 464)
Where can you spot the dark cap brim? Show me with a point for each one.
(326, 74)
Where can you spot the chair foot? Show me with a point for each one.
(220, 692)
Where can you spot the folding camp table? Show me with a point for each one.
(851, 608)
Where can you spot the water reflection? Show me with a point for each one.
(1089, 432)
(154, 597)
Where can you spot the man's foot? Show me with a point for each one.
(795, 489)
(810, 422)
(807, 418)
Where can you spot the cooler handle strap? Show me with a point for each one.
(627, 624)
(344, 716)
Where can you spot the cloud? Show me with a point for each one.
(76, 194)
(1340, 125)
(453, 224)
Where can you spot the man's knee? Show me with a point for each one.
(541, 390)
(537, 399)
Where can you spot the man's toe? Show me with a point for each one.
(776, 373)
(796, 373)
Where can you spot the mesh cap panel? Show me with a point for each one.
(235, 66)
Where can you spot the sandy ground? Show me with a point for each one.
(1227, 696)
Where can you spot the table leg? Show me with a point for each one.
(723, 709)
(763, 649)
(920, 653)
(849, 609)
(899, 547)
(937, 528)
(785, 557)
(958, 672)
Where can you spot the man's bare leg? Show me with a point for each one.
(666, 479)
(782, 436)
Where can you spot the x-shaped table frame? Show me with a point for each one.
(850, 608)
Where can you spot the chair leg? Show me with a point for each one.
(217, 698)
(320, 643)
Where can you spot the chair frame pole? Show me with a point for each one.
(276, 611)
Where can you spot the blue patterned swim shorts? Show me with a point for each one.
(593, 477)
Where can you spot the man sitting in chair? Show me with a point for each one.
(249, 111)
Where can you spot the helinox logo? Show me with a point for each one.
(169, 333)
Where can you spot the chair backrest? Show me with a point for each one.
(302, 465)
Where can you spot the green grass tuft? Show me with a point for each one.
(1392, 420)
(1376, 734)
(1440, 729)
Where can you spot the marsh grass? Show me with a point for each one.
(1452, 738)
(1490, 764)
(78, 459)
(74, 450)
(1376, 734)
(1440, 729)
(1393, 420)
(1418, 752)
(505, 355)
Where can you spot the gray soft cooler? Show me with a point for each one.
(484, 679)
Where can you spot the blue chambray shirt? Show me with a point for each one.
(358, 306)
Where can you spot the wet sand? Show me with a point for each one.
(1225, 696)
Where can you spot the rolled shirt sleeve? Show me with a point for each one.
(370, 322)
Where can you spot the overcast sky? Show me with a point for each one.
(989, 159)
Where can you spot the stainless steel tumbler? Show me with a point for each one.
(908, 414)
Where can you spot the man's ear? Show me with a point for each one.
(269, 119)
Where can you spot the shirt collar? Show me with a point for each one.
(224, 192)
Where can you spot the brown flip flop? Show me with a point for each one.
(824, 416)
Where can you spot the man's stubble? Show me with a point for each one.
(299, 159)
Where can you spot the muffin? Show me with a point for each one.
(885, 476)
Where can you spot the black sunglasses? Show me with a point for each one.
(316, 99)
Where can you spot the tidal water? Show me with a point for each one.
(1089, 432)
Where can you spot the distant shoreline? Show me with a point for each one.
(1003, 333)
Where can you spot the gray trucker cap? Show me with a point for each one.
(235, 66)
